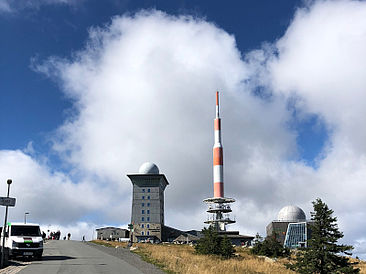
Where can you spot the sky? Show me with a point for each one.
(91, 89)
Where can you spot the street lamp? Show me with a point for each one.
(25, 217)
(9, 181)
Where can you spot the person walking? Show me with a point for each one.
(68, 236)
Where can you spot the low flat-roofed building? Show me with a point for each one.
(112, 233)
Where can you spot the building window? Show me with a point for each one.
(148, 190)
(148, 233)
(143, 204)
(148, 204)
(142, 219)
(148, 219)
(142, 233)
(142, 225)
(142, 211)
(148, 211)
(148, 197)
(148, 225)
(143, 197)
(143, 190)
(296, 235)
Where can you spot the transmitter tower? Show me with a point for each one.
(218, 206)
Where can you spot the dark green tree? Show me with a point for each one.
(226, 247)
(213, 244)
(209, 243)
(270, 247)
(323, 254)
(257, 244)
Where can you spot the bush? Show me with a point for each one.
(213, 244)
(270, 247)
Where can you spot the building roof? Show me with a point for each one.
(186, 237)
(291, 213)
(110, 227)
(148, 168)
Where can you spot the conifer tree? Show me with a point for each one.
(209, 243)
(226, 246)
(270, 247)
(213, 244)
(323, 254)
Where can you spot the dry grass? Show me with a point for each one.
(361, 265)
(109, 243)
(181, 259)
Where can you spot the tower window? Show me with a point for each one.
(143, 204)
(148, 190)
(148, 233)
(142, 219)
(148, 211)
(143, 190)
(143, 197)
(148, 204)
(148, 197)
(148, 219)
(142, 225)
(142, 233)
(142, 211)
(148, 225)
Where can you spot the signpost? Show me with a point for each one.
(7, 201)
(130, 227)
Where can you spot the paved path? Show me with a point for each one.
(78, 257)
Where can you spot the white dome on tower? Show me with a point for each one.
(148, 168)
(291, 213)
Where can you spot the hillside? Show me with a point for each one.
(181, 259)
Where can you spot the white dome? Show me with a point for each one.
(148, 168)
(291, 213)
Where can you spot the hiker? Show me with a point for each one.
(68, 236)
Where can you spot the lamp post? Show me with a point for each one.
(25, 217)
(9, 181)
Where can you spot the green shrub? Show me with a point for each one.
(270, 247)
(213, 244)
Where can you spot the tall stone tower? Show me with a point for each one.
(147, 215)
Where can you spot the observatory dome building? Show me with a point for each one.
(147, 216)
(291, 228)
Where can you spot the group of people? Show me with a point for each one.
(54, 235)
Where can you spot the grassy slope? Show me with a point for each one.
(181, 259)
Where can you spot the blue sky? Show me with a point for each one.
(92, 89)
(32, 106)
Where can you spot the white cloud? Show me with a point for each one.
(320, 61)
(4, 6)
(143, 90)
(51, 197)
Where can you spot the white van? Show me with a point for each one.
(23, 240)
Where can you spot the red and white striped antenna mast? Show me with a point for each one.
(218, 161)
(218, 205)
